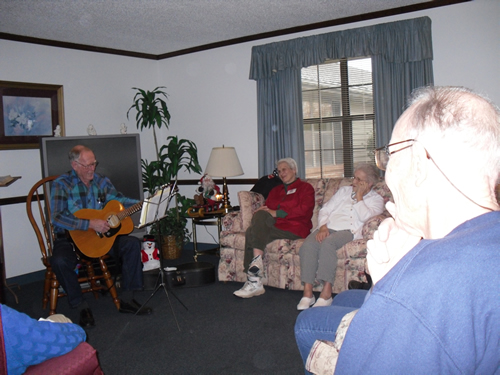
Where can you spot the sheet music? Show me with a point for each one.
(155, 207)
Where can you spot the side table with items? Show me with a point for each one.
(210, 219)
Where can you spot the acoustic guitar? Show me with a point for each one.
(96, 244)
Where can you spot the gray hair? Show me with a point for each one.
(460, 112)
(74, 154)
(291, 163)
(371, 171)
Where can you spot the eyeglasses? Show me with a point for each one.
(358, 179)
(382, 154)
(88, 166)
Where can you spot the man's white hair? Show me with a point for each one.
(458, 116)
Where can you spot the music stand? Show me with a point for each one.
(153, 210)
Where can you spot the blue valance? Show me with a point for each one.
(397, 42)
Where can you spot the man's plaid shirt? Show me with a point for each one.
(69, 194)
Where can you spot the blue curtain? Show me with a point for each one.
(402, 61)
(279, 106)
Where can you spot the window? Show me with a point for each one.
(339, 118)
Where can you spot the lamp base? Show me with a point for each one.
(226, 206)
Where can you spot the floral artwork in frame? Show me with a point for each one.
(28, 112)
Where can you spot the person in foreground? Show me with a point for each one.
(340, 221)
(286, 214)
(434, 306)
(81, 188)
(30, 342)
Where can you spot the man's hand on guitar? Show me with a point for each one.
(100, 226)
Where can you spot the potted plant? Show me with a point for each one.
(151, 110)
(173, 156)
(173, 229)
(176, 154)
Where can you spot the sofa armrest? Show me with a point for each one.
(80, 361)
(239, 221)
(372, 225)
(249, 203)
(232, 222)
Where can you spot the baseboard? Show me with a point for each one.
(27, 278)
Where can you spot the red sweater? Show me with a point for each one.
(297, 200)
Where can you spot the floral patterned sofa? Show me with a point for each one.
(281, 257)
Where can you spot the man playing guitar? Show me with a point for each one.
(83, 188)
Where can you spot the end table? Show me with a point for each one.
(208, 218)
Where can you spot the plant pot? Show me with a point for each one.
(170, 248)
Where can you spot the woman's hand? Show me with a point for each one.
(267, 209)
(323, 232)
(361, 190)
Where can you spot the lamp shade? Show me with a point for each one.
(223, 162)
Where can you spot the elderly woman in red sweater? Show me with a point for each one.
(286, 214)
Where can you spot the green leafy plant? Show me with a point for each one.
(171, 158)
(152, 110)
(171, 224)
(178, 154)
(174, 223)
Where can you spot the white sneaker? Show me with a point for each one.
(306, 302)
(253, 287)
(323, 302)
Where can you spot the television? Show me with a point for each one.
(119, 158)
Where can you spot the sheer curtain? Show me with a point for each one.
(401, 58)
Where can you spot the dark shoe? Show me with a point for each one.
(353, 284)
(86, 318)
(133, 308)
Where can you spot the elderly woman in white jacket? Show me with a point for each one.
(340, 221)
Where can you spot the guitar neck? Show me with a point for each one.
(129, 211)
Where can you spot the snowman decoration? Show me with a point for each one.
(150, 255)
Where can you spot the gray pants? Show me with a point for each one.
(262, 232)
(319, 260)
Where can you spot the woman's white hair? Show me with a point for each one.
(291, 163)
(372, 173)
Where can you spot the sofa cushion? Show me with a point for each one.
(372, 224)
(382, 189)
(319, 186)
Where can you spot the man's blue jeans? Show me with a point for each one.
(320, 323)
(64, 261)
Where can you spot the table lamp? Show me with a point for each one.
(224, 162)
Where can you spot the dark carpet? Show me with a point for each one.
(219, 333)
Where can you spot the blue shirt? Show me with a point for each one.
(436, 312)
(69, 194)
(29, 342)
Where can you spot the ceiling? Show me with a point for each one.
(165, 28)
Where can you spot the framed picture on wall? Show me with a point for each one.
(28, 112)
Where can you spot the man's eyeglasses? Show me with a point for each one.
(382, 154)
(88, 166)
